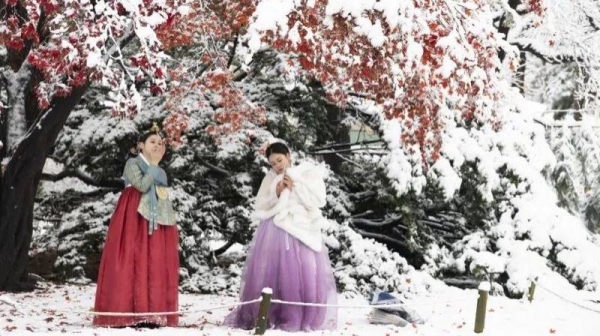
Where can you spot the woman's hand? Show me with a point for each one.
(159, 153)
(287, 180)
(279, 188)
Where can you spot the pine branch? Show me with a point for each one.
(332, 146)
(111, 183)
(441, 226)
(225, 247)
(38, 218)
(349, 150)
(214, 168)
(382, 238)
(363, 195)
(378, 223)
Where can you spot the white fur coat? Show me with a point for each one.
(297, 212)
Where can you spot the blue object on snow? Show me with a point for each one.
(384, 298)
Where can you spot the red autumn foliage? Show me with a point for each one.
(71, 43)
(413, 91)
(418, 63)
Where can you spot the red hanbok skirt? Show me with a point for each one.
(139, 273)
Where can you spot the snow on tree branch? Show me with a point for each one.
(73, 42)
(414, 59)
(211, 30)
(567, 32)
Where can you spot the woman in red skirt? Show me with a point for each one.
(139, 270)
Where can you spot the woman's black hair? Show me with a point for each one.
(277, 148)
(142, 138)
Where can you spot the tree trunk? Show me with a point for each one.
(335, 117)
(18, 187)
(4, 93)
(521, 72)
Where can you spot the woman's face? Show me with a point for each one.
(279, 162)
(151, 145)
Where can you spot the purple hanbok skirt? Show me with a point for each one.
(294, 272)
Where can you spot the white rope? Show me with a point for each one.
(88, 312)
(569, 301)
(395, 305)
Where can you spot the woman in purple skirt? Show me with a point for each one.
(287, 253)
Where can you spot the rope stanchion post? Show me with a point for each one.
(531, 291)
(263, 311)
(484, 289)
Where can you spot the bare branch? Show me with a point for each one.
(592, 22)
(555, 59)
(233, 50)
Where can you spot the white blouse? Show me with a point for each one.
(297, 212)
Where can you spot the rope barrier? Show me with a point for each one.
(567, 300)
(293, 303)
(266, 300)
(89, 312)
(395, 305)
(84, 312)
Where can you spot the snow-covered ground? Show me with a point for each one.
(447, 310)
